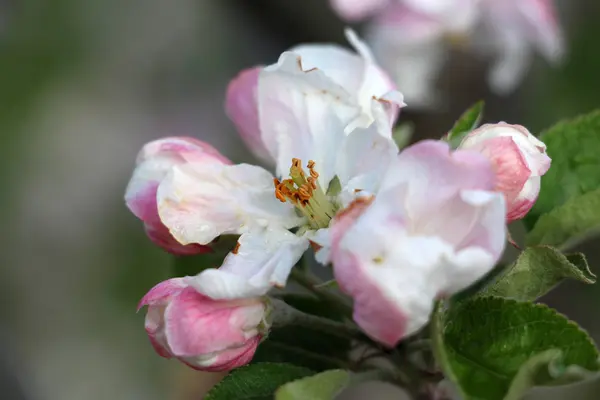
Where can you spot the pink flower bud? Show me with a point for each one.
(153, 164)
(206, 334)
(241, 105)
(519, 160)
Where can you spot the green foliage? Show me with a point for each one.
(574, 148)
(323, 386)
(567, 224)
(493, 347)
(468, 121)
(403, 133)
(193, 265)
(256, 382)
(304, 346)
(537, 271)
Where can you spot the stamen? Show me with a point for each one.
(305, 193)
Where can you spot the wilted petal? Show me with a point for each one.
(200, 202)
(242, 108)
(263, 259)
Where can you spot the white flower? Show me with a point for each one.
(330, 138)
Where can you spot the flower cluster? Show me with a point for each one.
(411, 38)
(399, 229)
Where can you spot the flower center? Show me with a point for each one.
(305, 193)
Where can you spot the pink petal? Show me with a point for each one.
(154, 162)
(434, 174)
(198, 325)
(182, 149)
(228, 359)
(161, 236)
(242, 108)
(162, 292)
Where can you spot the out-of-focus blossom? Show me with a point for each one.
(153, 163)
(206, 334)
(411, 38)
(362, 89)
(513, 29)
(519, 160)
(434, 228)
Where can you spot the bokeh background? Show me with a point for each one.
(85, 83)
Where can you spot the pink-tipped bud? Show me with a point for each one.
(205, 334)
(519, 160)
(153, 163)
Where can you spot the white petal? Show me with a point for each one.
(322, 237)
(263, 259)
(364, 159)
(303, 115)
(200, 202)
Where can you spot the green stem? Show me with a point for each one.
(313, 284)
(318, 357)
(284, 315)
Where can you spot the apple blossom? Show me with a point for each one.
(519, 160)
(317, 134)
(434, 228)
(411, 38)
(354, 78)
(153, 162)
(206, 334)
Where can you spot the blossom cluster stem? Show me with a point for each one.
(284, 315)
(307, 280)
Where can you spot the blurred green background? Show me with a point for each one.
(85, 83)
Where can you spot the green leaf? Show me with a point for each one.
(574, 146)
(403, 133)
(304, 346)
(468, 121)
(570, 223)
(323, 386)
(537, 271)
(256, 382)
(488, 340)
(193, 265)
(437, 327)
